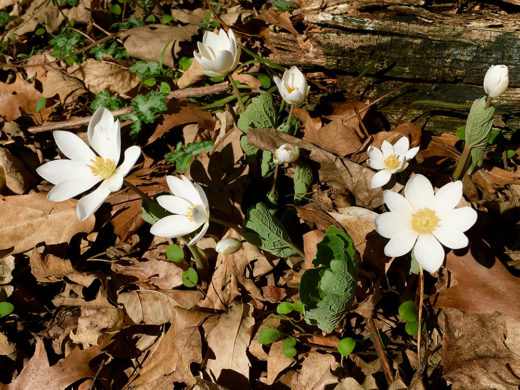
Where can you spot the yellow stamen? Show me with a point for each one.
(391, 162)
(189, 214)
(104, 168)
(425, 221)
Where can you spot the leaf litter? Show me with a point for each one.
(98, 304)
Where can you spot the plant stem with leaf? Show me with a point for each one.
(237, 93)
(200, 261)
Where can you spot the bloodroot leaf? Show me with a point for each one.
(284, 308)
(408, 311)
(288, 347)
(190, 277)
(268, 335)
(346, 346)
(175, 253)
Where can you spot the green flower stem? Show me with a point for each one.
(421, 298)
(488, 103)
(237, 93)
(289, 118)
(142, 194)
(200, 261)
(275, 178)
(462, 163)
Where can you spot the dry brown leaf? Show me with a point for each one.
(49, 16)
(14, 174)
(229, 340)
(311, 124)
(277, 18)
(412, 131)
(358, 222)
(255, 348)
(20, 96)
(273, 294)
(195, 16)
(160, 274)
(37, 374)
(156, 307)
(314, 214)
(494, 178)
(191, 76)
(66, 87)
(6, 269)
(480, 351)
(248, 79)
(107, 76)
(333, 170)
(95, 325)
(442, 147)
(22, 218)
(148, 42)
(7, 348)
(310, 246)
(315, 373)
(481, 289)
(276, 362)
(335, 137)
(50, 268)
(174, 353)
(180, 113)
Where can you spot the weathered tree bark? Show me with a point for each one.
(444, 57)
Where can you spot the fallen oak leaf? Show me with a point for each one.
(494, 178)
(481, 289)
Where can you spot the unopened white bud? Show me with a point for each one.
(228, 245)
(496, 80)
(286, 153)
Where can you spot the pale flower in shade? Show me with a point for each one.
(293, 86)
(496, 80)
(228, 245)
(425, 221)
(286, 153)
(83, 169)
(389, 160)
(218, 53)
(189, 206)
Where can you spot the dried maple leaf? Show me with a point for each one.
(490, 180)
(14, 174)
(479, 288)
(335, 137)
(20, 96)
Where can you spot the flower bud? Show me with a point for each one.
(286, 153)
(218, 53)
(496, 80)
(228, 245)
(293, 86)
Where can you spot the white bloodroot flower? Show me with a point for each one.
(228, 245)
(286, 153)
(293, 86)
(190, 207)
(423, 220)
(84, 169)
(218, 53)
(496, 80)
(389, 160)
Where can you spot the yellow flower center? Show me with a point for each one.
(425, 221)
(391, 162)
(290, 89)
(196, 213)
(104, 168)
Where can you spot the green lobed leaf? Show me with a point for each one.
(269, 335)
(346, 346)
(260, 112)
(284, 308)
(190, 277)
(303, 179)
(270, 234)
(147, 106)
(408, 311)
(478, 130)
(288, 347)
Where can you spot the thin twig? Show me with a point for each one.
(421, 299)
(360, 120)
(179, 94)
(380, 351)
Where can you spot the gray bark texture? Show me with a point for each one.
(373, 47)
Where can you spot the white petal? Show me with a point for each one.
(401, 146)
(419, 192)
(206, 52)
(390, 224)
(450, 237)
(174, 204)
(281, 87)
(223, 62)
(173, 226)
(210, 39)
(387, 148)
(380, 178)
(397, 203)
(429, 252)
(89, 204)
(182, 188)
(115, 182)
(296, 97)
(411, 153)
(200, 234)
(132, 154)
(401, 243)
(376, 159)
(104, 134)
(61, 170)
(461, 219)
(448, 196)
(73, 147)
(202, 195)
(70, 188)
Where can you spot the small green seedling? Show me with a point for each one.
(6, 308)
(190, 277)
(288, 347)
(408, 312)
(284, 308)
(298, 306)
(346, 346)
(184, 155)
(269, 335)
(175, 253)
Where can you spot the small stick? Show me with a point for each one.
(360, 120)
(380, 351)
(421, 299)
(179, 94)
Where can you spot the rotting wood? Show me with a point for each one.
(445, 57)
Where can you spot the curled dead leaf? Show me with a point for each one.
(107, 76)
